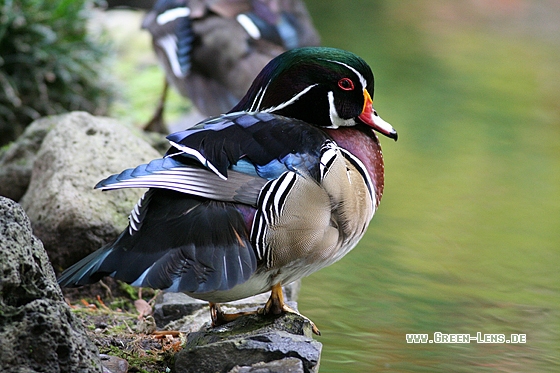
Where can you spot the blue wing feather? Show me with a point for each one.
(271, 142)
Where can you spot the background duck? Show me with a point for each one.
(212, 50)
(283, 185)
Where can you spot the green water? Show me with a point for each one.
(467, 237)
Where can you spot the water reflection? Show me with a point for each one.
(467, 237)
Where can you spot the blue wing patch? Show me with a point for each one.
(272, 143)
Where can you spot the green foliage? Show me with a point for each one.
(130, 290)
(49, 63)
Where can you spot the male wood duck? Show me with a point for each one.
(283, 185)
(212, 50)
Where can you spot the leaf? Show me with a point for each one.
(143, 308)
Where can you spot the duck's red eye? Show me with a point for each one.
(346, 84)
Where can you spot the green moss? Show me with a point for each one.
(130, 290)
(140, 360)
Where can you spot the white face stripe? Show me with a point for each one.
(261, 98)
(290, 101)
(336, 120)
(360, 76)
(252, 107)
(171, 15)
(249, 26)
(256, 105)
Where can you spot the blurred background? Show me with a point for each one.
(467, 237)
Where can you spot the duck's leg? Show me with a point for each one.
(220, 318)
(276, 306)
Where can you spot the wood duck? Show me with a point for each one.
(283, 185)
(213, 49)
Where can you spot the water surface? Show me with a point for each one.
(467, 236)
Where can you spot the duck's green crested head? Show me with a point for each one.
(327, 87)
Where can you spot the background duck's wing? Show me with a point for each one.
(212, 50)
(170, 24)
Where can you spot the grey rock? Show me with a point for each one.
(113, 364)
(38, 333)
(16, 160)
(286, 365)
(250, 340)
(175, 306)
(67, 214)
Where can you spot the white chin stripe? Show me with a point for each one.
(172, 14)
(336, 120)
